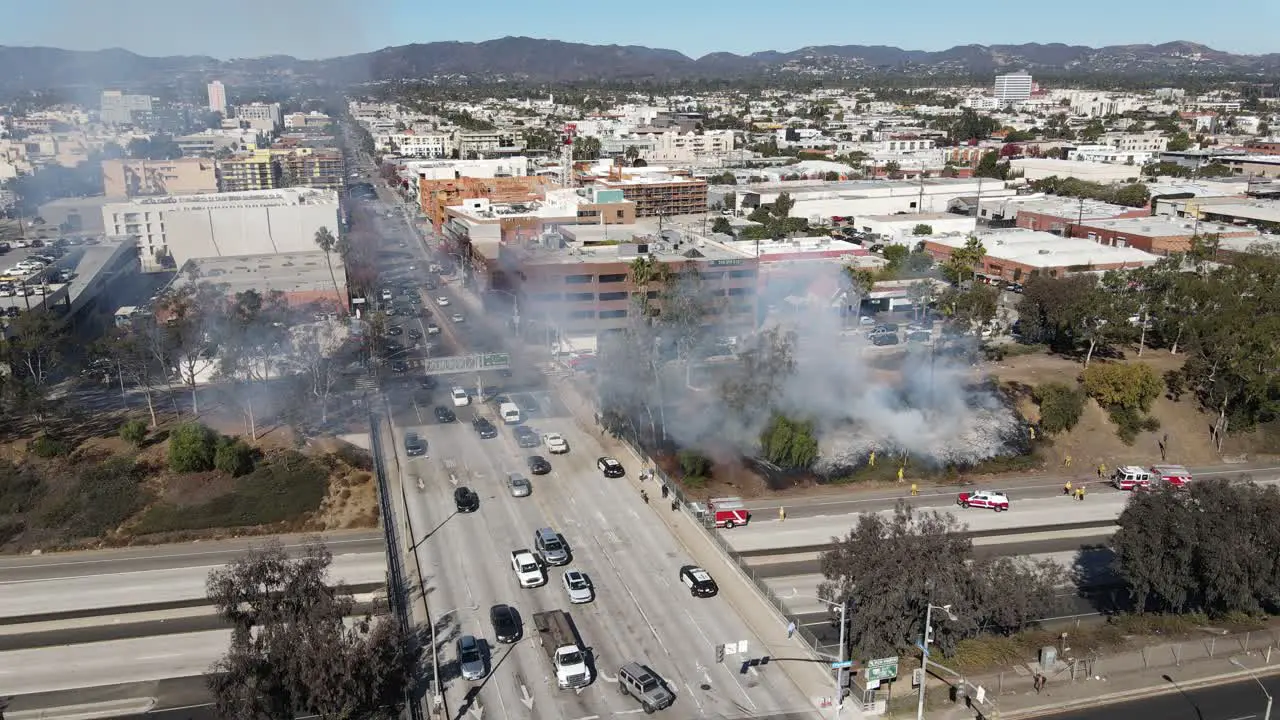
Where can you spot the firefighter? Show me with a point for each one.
(1102, 470)
(782, 513)
(1066, 461)
(900, 474)
(915, 490)
(644, 496)
(1080, 493)
(1066, 488)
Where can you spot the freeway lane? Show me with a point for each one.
(75, 592)
(163, 557)
(857, 501)
(1242, 700)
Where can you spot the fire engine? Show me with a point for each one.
(728, 512)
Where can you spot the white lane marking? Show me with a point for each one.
(588, 717)
(163, 656)
(707, 675)
(694, 696)
(102, 561)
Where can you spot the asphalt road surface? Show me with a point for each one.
(1242, 700)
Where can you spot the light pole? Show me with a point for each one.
(844, 606)
(1236, 661)
(924, 651)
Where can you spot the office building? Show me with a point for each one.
(169, 231)
(118, 108)
(1014, 87)
(272, 168)
(1014, 255)
(124, 178)
(218, 97)
(263, 117)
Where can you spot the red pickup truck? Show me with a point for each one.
(991, 499)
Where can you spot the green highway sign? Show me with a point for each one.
(880, 669)
(496, 361)
(466, 363)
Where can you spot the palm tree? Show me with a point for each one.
(328, 243)
(632, 153)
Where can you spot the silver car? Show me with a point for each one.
(470, 659)
(519, 485)
(578, 586)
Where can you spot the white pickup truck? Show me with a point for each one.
(555, 443)
(527, 569)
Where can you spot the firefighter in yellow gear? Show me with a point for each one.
(914, 489)
(899, 474)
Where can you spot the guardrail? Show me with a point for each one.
(397, 587)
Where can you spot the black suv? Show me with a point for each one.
(466, 499)
(414, 445)
(699, 581)
(484, 428)
(538, 465)
(445, 415)
(881, 339)
(506, 623)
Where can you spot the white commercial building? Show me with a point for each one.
(900, 229)
(185, 227)
(263, 117)
(1099, 153)
(1041, 168)
(411, 144)
(517, 166)
(1014, 87)
(819, 202)
(118, 108)
(676, 147)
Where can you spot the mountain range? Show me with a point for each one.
(537, 60)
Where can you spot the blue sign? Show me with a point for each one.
(842, 664)
(923, 649)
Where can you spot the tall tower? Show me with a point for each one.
(218, 97)
(566, 153)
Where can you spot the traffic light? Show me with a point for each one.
(928, 636)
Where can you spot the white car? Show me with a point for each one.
(433, 329)
(528, 571)
(555, 443)
(460, 397)
(442, 301)
(578, 586)
(456, 317)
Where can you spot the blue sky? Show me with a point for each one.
(324, 28)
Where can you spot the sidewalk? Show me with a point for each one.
(810, 674)
(1129, 675)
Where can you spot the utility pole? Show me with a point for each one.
(844, 606)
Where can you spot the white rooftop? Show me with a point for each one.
(1046, 250)
(1257, 211)
(1158, 226)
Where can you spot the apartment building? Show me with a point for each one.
(248, 172)
(659, 194)
(271, 168)
(1014, 87)
(471, 143)
(1149, 142)
(313, 120)
(435, 196)
(559, 207)
(123, 178)
(416, 144)
(673, 146)
(169, 231)
(119, 108)
(263, 117)
(218, 97)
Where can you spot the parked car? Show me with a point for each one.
(484, 428)
(460, 397)
(556, 444)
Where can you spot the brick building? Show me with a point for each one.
(661, 195)
(436, 196)
(1263, 146)
(1058, 215)
(1014, 255)
(1156, 235)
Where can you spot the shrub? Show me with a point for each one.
(694, 464)
(46, 446)
(11, 528)
(1060, 406)
(1130, 421)
(134, 432)
(356, 457)
(20, 489)
(191, 448)
(233, 457)
(1131, 385)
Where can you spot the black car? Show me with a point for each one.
(699, 581)
(466, 499)
(881, 339)
(414, 445)
(526, 437)
(506, 623)
(610, 467)
(885, 328)
(393, 346)
(484, 428)
(445, 415)
(415, 334)
(428, 382)
(395, 330)
(538, 465)
(400, 366)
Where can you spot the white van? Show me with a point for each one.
(510, 413)
(1131, 477)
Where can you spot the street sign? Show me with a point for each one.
(466, 363)
(881, 669)
(842, 664)
(922, 648)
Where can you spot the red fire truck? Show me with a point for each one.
(728, 512)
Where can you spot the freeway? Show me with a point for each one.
(80, 591)
(850, 501)
(1242, 700)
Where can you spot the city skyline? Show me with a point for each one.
(330, 28)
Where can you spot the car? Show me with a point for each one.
(460, 397)
(484, 428)
(882, 339)
(919, 336)
(428, 382)
(538, 465)
(456, 317)
(445, 415)
(506, 623)
(395, 330)
(415, 334)
(699, 581)
(442, 301)
(610, 467)
(526, 437)
(470, 659)
(578, 587)
(433, 329)
(887, 327)
(400, 366)
(393, 346)
(990, 499)
(414, 445)
(556, 444)
(466, 499)
(386, 295)
(519, 485)
(528, 572)
(644, 685)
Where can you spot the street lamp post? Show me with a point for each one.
(844, 606)
(1236, 661)
(924, 651)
